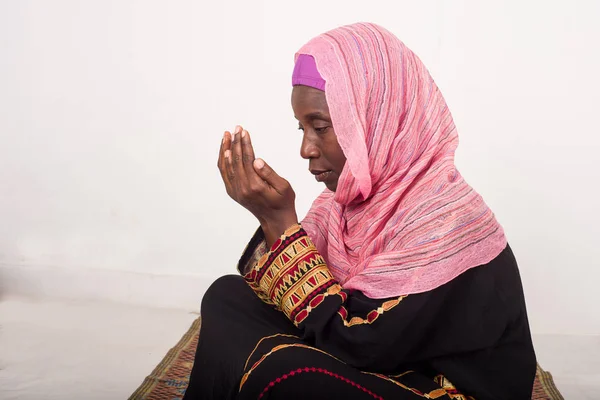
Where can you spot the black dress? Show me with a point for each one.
(287, 330)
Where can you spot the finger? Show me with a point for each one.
(248, 155)
(229, 171)
(225, 145)
(270, 176)
(236, 155)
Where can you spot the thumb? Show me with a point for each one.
(268, 175)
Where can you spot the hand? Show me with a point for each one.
(255, 186)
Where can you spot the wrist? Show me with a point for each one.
(274, 228)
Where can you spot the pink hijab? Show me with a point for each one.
(403, 220)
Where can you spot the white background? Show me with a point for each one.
(111, 115)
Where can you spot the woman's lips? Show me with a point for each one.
(321, 176)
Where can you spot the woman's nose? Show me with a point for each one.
(308, 150)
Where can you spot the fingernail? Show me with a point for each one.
(244, 132)
(238, 129)
(259, 163)
(227, 153)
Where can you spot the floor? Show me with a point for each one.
(56, 350)
(83, 350)
(574, 362)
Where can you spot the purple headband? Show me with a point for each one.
(305, 73)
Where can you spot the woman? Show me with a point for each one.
(399, 284)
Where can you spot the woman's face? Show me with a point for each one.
(319, 143)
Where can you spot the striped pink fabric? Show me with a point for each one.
(403, 220)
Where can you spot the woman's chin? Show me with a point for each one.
(331, 186)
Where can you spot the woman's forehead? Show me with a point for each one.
(309, 100)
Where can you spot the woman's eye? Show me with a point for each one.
(318, 130)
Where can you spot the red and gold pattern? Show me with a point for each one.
(435, 394)
(431, 395)
(450, 389)
(371, 316)
(293, 276)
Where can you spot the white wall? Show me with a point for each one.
(111, 114)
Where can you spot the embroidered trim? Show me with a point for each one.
(402, 374)
(293, 276)
(450, 389)
(322, 371)
(277, 348)
(254, 276)
(313, 301)
(265, 338)
(371, 316)
(431, 395)
(434, 394)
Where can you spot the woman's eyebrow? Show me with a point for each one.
(317, 115)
